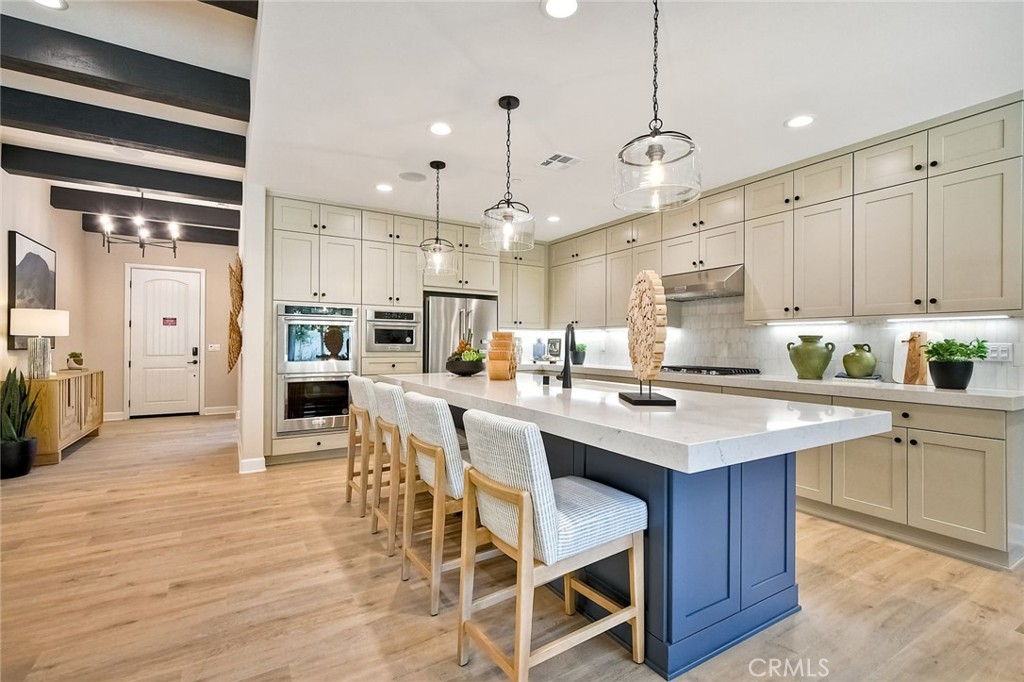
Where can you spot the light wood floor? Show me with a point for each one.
(146, 557)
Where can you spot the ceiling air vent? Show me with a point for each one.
(560, 161)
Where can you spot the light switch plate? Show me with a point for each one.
(1000, 352)
(213, 347)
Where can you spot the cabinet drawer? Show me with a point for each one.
(392, 365)
(962, 420)
(302, 444)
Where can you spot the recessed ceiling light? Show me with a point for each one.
(410, 176)
(441, 128)
(53, 4)
(799, 121)
(559, 9)
(384, 187)
(553, 219)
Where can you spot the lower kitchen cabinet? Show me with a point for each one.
(869, 475)
(405, 363)
(957, 486)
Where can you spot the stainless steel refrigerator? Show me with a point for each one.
(448, 317)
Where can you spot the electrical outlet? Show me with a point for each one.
(1000, 352)
(213, 347)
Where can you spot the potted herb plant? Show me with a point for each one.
(17, 450)
(465, 361)
(75, 360)
(578, 354)
(951, 363)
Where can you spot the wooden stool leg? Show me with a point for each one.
(396, 491)
(378, 474)
(570, 594)
(636, 594)
(437, 544)
(412, 474)
(350, 465)
(467, 568)
(524, 620)
(366, 450)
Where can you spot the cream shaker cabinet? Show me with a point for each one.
(304, 216)
(975, 240)
(638, 232)
(585, 246)
(681, 221)
(976, 140)
(391, 275)
(316, 268)
(475, 273)
(869, 475)
(768, 267)
(538, 256)
(890, 250)
(340, 272)
(724, 208)
(714, 248)
(891, 163)
(578, 293)
(523, 298)
(680, 254)
(823, 260)
(562, 307)
(814, 184)
(622, 267)
(382, 227)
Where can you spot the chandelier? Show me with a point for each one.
(143, 234)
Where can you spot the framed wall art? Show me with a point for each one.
(31, 279)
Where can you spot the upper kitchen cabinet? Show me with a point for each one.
(891, 163)
(681, 221)
(538, 256)
(585, 246)
(725, 208)
(975, 240)
(577, 293)
(976, 140)
(316, 268)
(475, 273)
(522, 303)
(312, 218)
(622, 268)
(708, 249)
(814, 184)
(645, 230)
(381, 227)
(800, 264)
(391, 275)
(465, 238)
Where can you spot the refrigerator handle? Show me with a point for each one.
(462, 324)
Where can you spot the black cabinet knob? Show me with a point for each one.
(917, 301)
(913, 441)
(323, 293)
(796, 309)
(933, 300)
(786, 309)
(796, 198)
(897, 439)
(933, 164)
(918, 167)
(314, 293)
(695, 224)
(905, 415)
(391, 298)
(392, 365)
(701, 222)
(397, 299)
(390, 236)
(315, 226)
(694, 263)
(398, 236)
(628, 240)
(785, 201)
(318, 443)
(701, 262)
(460, 281)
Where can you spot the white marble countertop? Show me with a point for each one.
(980, 398)
(703, 431)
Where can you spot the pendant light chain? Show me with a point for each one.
(508, 155)
(437, 211)
(655, 124)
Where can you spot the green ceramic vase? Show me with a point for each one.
(810, 357)
(860, 362)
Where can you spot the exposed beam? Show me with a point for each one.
(67, 118)
(123, 206)
(247, 8)
(189, 233)
(37, 163)
(43, 51)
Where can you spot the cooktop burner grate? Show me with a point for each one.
(699, 369)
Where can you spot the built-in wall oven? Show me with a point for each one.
(393, 331)
(316, 351)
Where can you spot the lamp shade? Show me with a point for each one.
(40, 322)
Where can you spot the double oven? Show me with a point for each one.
(316, 349)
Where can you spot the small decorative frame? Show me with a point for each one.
(31, 279)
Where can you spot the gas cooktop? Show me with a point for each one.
(698, 369)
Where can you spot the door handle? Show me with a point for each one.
(193, 362)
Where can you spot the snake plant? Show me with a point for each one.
(16, 408)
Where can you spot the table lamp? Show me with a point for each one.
(38, 324)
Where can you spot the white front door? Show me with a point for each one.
(165, 351)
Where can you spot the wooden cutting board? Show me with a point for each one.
(909, 367)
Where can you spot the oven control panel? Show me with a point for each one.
(393, 315)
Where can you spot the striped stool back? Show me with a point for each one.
(431, 421)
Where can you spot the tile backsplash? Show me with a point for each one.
(712, 332)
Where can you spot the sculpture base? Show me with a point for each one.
(647, 399)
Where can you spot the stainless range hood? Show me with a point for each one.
(714, 283)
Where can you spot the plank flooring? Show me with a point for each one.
(145, 557)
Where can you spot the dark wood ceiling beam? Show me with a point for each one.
(122, 206)
(67, 118)
(247, 8)
(189, 233)
(37, 163)
(43, 51)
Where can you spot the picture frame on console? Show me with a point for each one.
(31, 279)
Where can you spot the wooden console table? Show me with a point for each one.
(70, 407)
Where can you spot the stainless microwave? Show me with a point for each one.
(390, 330)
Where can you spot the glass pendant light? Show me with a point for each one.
(508, 225)
(658, 170)
(439, 256)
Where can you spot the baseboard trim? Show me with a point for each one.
(221, 409)
(114, 416)
(252, 465)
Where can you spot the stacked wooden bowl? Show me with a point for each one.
(501, 358)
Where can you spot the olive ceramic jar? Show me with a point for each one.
(860, 362)
(810, 357)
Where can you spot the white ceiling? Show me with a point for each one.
(345, 91)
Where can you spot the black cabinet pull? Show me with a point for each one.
(315, 226)
(796, 309)
(701, 222)
(323, 293)
(933, 164)
(397, 299)
(318, 443)
(786, 309)
(701, 262)
(905, 415)
(897, 439)
(392, 365)
(918, 167)
(398, 236)
(695, 224)
(628, 240)
(796, 198)
(913, 441)
(390, 236)
(390, 298)
(933, 300)
(460, 281)
(314, 293)
(785, 201)
(917, 301)
(694, 263)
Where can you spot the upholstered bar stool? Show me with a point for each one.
(551, 528)
(392, 434)
(362, 431)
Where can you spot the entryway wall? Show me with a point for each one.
(90, 284)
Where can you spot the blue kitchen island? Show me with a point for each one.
(718, 475)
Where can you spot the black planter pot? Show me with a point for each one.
(17, 457)
(577, 356)
(954, 375)
(464, 368)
